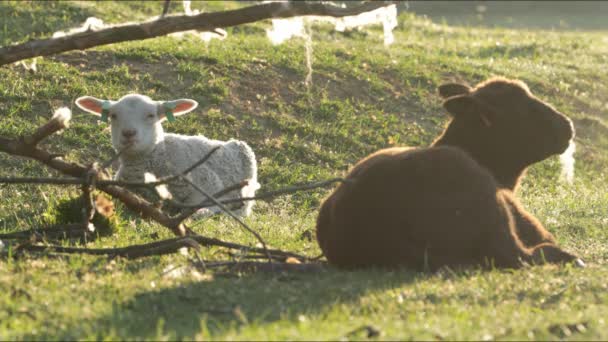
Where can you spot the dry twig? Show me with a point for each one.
(231, 214)
(272, 194)
(55, 231)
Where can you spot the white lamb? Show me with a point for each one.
(137, 131)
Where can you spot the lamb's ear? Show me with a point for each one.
(94, 106)
(461, 105)
(171, 109)
(453, 89)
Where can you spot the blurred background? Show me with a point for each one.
(558, 15)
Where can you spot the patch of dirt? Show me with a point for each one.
(263, 86)
(161, 69)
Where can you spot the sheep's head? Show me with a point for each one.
(135, 119)
(503, 125)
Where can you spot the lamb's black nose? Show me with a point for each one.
(128, 133)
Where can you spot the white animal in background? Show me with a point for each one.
(146, 149)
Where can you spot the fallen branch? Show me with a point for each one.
(131, 252)
(101, 182)
(170, 24)
(162, 247)
(63, 230)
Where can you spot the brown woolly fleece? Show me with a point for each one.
(451, 204)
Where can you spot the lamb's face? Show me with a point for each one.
(135, 123)
(135, 119)
(502, 116)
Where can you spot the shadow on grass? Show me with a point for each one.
(229, 302)
(38, 19)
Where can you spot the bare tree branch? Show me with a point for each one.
(54, 125)
(42, 180)
(168, 179)
(162, 247)
(115, 157)
(270, 194)
(170, 24)
(186, 214)
(62, 230)
(82, 181)
(88, 209)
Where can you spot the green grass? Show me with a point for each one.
(364, 97)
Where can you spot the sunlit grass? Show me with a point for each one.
(364, 97)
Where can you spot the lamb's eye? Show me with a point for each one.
(150, 116)
(113, 116)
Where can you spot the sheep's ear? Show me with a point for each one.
(90, 104)
(453, 89)
(462, 105)
(171, 109)
(94, 106)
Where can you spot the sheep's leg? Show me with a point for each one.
(197, 198)
(502, 247)
(504, 250)
(550, 253)
(245, 208)
(238, 209)
(529, 230)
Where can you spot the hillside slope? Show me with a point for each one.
(363, 97)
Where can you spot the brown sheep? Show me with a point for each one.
(451, 204)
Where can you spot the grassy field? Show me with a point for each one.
(364, 97)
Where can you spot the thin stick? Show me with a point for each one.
(81, 181)
(115, 157)
(42, 180)
(167, 179)
(264, 267)
(161, 247)
(229, 212)
(165, 8)
(131, 252)
(63, 229)
(188, 213)
(274, 193)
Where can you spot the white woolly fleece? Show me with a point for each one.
(149, 152)
(229, 165)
